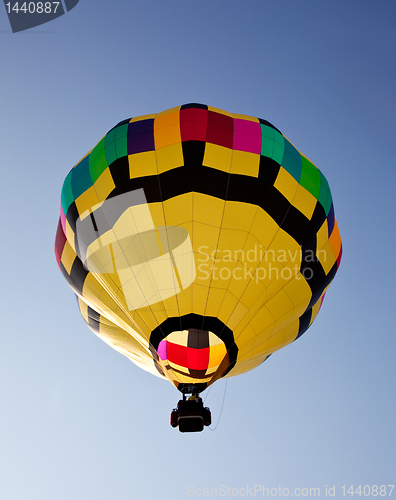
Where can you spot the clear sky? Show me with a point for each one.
(77, 419)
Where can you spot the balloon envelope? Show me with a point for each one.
(197, 241)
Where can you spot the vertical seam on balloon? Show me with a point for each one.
(218, 239)
(221, 223)
(163, 212)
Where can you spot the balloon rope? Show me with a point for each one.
(207, 394)
(221, 410)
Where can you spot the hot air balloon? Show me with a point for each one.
(198, 243)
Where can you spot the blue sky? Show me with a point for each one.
(77, 419)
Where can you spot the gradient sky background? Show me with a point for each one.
(78, 420)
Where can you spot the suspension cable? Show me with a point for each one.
(221, 410)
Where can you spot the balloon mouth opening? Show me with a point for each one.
(193, 358)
